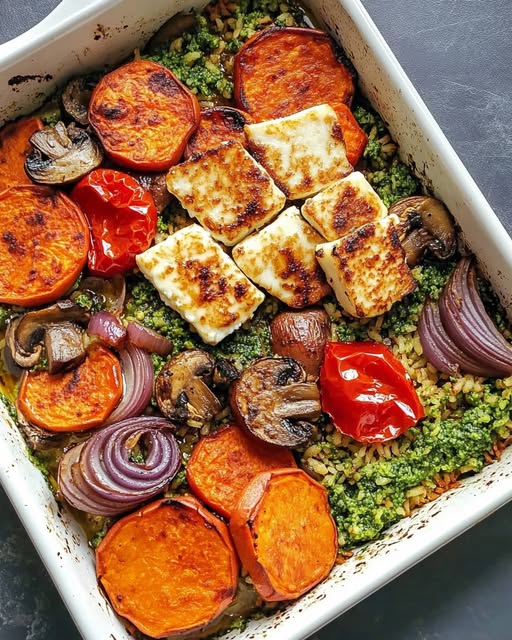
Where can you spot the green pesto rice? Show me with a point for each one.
(468, 419)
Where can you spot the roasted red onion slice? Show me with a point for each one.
(108, 328)
(440, 349)
(148, 339)
(98, 476)
(138, 383)
(459, 334)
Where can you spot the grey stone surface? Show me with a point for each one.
(458, 55)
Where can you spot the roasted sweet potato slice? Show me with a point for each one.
(355, 138)
(74, 401)
(223, 463)
(14, 149)
(217, 125)
(282, 71)
(143, 115)
(44, 239)
(284, 533)
(169, 568)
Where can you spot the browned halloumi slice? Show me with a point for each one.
(367, 268)
(196, 278)
(227, 191)
(343, 207)
(304, 152)
(281, 259)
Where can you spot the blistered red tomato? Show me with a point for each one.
(122, 219)
(367, 392)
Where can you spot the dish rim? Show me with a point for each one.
(498, 498)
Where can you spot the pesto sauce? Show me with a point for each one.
(372, 497)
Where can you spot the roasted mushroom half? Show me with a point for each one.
(157, 187)
(182, 388)
(425, 225)
(76, 97)
(61, 155)
(273, 400)
(54, 330)
(301, 335)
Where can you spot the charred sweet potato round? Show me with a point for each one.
(143, 115)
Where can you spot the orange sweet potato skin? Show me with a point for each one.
(223, 463)
(355, 138)
(44, 239)
(74, 401)
(14, 149)
(282, 71)
(169, 568)
(143, 115)
(218, 125)
(284, 533)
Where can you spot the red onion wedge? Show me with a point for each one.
(147, 339)
(138, 384)
(108, 328)
(440, 349)
(98, 476)
(461, 333)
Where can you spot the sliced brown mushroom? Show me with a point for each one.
(25, 336)
(273, 400)
(76, 97)
(64, 345)
(224, 373)
(61, 155)
(157, 187)
(182, 388)
(170, 30)
(425, 225)
(301, 335)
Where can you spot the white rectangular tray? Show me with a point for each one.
(78, 37)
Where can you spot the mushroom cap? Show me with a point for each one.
(182, 388)
(426, 225)
(61, 155)
(275, 402)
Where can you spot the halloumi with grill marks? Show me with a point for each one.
(196, 278)
(367, 268)
(343, 207)
(227, 191)
(281, 259)
(304, 152)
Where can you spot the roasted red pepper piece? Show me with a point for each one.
(367, 392)
(122, 219)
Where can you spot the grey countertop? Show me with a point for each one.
(458, 55)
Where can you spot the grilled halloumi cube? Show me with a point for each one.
(228, 192)
(343, 207)
(196, 278)
(304, 152)
(281, 259)
(367, 268)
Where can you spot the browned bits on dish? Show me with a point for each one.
(281, 71)
(143, 115)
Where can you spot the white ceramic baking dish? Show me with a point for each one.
(77, 37)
